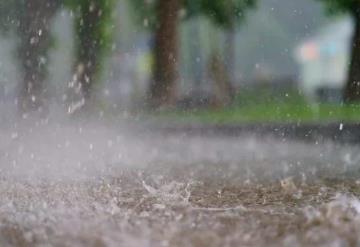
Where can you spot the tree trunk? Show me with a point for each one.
(196, 56)
(35, 42)
(223, 91)
(162, 90)
(90, 45)
(230, 53)
(352, 90)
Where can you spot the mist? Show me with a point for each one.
(178, 123)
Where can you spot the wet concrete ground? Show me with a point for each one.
(106, 185)
(340, 132)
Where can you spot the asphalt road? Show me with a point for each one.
(96, 184)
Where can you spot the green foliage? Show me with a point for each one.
(93, 29)
(225, 13)
(342, 6)
(99, 32)
(260, 106)
(10, 11)
(144, 12)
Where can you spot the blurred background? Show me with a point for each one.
(206, 61)
(179, 122)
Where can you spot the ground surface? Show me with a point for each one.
(263, 106)
(268, 112)
(100, 185)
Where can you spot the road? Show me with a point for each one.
(94, 184)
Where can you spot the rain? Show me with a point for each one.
(179, 123)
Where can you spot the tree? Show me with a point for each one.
(162, 17)
(352, 7)
(93, 33)
(227, 15)
(163, 84)
(31, 21)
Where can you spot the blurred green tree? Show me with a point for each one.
(227, 15)
(162, 18)
(31, 21)
(352, 7)
(93, 39)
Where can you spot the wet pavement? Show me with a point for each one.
(113, 185)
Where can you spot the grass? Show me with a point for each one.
(265, 107)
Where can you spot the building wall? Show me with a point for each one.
(323, 59)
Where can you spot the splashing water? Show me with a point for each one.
(104, 185)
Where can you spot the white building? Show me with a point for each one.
(324, 60)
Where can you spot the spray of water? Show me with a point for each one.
(107, 183)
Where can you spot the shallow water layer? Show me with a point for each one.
(107, 185)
